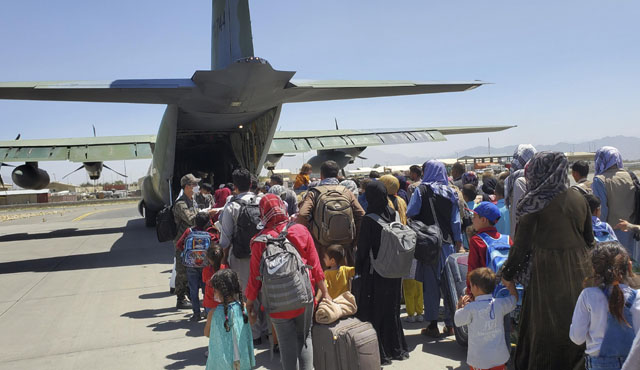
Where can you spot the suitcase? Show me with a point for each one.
(347, 344)
(455, 282)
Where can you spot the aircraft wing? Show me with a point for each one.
(89, 149)
(155, 91)
(304, 141)
(306, 91)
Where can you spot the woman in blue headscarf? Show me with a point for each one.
(614, 186)
(435, 188)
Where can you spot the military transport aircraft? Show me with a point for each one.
(229, 113)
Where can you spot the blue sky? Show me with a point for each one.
(561, 71)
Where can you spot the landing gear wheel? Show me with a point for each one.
(149, 217)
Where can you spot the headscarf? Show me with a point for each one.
(220, 196)
(470, 178)
(351, 185)
(435, 176)
(291, 199)
(402, 193)
(378, 201)
(522, 155)
(392, 185)
(273, 211)
(607, 157)
(546, 176)
(489, 186)
(277, 190)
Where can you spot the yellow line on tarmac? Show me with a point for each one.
(94, 212)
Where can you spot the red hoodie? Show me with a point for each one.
(298, 235)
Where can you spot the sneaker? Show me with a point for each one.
(183, 304)
(419, 318)
(276, 348)
(195, 318)
(257, 342)
(410, 319)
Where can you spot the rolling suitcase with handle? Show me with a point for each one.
(347, 344)
(455, 282)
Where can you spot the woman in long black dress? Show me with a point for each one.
(378, 297)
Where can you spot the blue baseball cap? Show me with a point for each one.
(488, 210)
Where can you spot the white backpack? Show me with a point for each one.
(397, 246)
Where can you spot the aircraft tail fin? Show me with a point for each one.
(231, 37)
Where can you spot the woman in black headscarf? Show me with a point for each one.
(379, 298)
(553, 239)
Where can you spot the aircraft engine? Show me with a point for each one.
(342, 157)
(94, 169)
(29, 176)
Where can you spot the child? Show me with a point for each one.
(607, 315)
(214, 256)
(413, 297)
(194, 274)
(504, 223)
(228, 328)
(485, 216)
(484, 317)
(338, 276)
(601, 230)
(470, 193)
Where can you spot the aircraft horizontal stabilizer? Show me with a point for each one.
(307, 91)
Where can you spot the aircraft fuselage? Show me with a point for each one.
(228, 123)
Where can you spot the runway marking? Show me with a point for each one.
(81, 217)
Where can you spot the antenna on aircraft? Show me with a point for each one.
(336, 120)
(94, 130)
(18, 137)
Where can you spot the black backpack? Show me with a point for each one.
(166, 228)
(428, 238)
(246, 227)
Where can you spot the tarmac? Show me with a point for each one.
(88, 287)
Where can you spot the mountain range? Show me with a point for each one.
(629, 147)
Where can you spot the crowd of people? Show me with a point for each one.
(567, 267)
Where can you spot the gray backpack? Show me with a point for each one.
(285, 278)
(397, 245)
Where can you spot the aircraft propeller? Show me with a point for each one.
(81, 167)
(2, 164)
(72, 172)
(109, 168)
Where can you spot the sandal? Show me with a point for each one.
(430, 332)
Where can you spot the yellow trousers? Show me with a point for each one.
(413, 297)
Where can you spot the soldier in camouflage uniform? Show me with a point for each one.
(184, 213)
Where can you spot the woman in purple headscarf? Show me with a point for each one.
(553, 239)
(435, 188)
(614, 186)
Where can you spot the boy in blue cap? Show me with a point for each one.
(487, 237)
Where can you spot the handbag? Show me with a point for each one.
(429, 239)
(523, 272)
